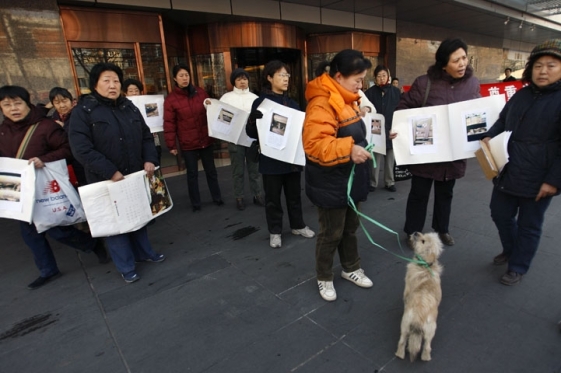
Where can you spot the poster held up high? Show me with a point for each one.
(226, 122)
(280, 132)
(152, 109)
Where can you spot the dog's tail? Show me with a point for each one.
(415, 340)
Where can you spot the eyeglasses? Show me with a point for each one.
(284, 75)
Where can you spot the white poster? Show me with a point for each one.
(280, 132)
(152, 109)
(226, 122)
(377, 130)
(124, 206)
(443, 133)
(17, 189)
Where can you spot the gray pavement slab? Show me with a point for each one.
(224, 301)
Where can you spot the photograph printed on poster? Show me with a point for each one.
(476, 125)
(225, 116)
(151, 110)
(423, 131)
(278, 124)
(376, 127)
(10, 187)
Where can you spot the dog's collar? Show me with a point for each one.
(423, 263)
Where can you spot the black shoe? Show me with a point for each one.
(219, 202)
(500, 259)
(196, 208)
(390, 188)
(100, 251)
(258, 200)
(40, 281)
(371, 188)
(240, 204)
(511, 278)
(446, 239)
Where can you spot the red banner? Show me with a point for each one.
(491, 89)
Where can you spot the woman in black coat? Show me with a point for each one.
(385, 98)
(278, 175)
(109, 137)
(524, 188)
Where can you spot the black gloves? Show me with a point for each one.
(255, 114)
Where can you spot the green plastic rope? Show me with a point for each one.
(420, 261)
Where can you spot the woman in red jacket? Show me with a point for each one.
(185, 119)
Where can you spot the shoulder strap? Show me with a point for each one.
(25, 141)
(426, 93)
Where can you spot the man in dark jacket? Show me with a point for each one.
(524, 188)
(47, 143)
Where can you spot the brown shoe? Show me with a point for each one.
(500, 259)
(240, 204)
(258, 200)
(446, 239)
(511, 278)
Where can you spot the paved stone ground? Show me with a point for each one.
(224, 301)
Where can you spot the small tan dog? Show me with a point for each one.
(421, 297)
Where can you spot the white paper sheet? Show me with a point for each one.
(226, 122)
(280, 132)
(119, 207)
(498, 146)
(452, 126)
(152, 109)
(377, 131)
(17, 189)
(130, 202)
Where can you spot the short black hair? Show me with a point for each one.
(508, 69)
(395, 78)
(442, 55)
(349, 62)
(130, 82)
(381, 68)
(99, 68)
(15, 91)
(59, 91)
(270, 69)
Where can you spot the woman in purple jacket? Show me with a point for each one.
(448, 81)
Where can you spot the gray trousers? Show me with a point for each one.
(239, 161)
(388, 160)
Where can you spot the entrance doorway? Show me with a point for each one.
(253, 61)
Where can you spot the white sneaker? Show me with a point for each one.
(275, 240)
(327, 291)
(304, 232)
(358, 277)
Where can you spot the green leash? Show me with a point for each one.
(420, 261)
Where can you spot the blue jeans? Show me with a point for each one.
(519, 221)
(41, 249)
(191, 163)
(127, 248)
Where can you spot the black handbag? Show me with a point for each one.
(253, 152)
